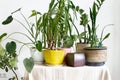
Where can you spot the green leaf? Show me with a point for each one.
(81, 11)
(51, 4)
(91, 16)
(98, 2)
(6, 69)
(34, 13)
(106, 36)
(39, 46)
(11, 47)
(29, 64)
(3, 35)
(13, 61)
(2, 51)
(8, 20)
(77, 8)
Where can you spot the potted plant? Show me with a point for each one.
(96, 54)
(33, 29)
(83, 37)
(55, 23)
(8, 57)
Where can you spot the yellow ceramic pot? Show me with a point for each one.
(53, 57)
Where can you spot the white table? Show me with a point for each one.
(41, 72)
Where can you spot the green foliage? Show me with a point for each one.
(94, 40)
(9, 59)
(84, 22)
(2, 36)
(55, 23)
(28, 63)
(11, 47)
(39, 46)
(32, 28)
(68, 41)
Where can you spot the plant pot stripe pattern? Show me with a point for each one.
(95, 56)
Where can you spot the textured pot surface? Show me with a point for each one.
(80, 47)
(96, 56)
(53, 57)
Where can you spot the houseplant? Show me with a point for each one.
(83, 37)
(8, 57)
(33, 30)
(55, 24)
(96, 54)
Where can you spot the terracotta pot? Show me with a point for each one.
(95, 56)
(80, 47)
(53, 57)
(75, 59)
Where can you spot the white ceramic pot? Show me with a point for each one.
(36, 55)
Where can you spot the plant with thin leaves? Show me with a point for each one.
(94, 39)
(56, 23)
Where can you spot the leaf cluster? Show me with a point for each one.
(94, 40)
(8, 59)
(56, 23)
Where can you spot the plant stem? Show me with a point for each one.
(14, 73)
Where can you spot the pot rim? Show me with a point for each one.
(96, 48)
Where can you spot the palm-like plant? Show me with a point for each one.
(94, 40)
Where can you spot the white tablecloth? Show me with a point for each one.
(41, 72)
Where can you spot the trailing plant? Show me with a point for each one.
(94, 39)
(8, 57)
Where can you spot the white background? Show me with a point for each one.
(109, 14)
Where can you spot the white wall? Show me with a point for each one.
(109, 14)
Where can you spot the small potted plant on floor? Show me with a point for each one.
(96, 54)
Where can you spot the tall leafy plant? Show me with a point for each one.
(56, 23)
(94, 40)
